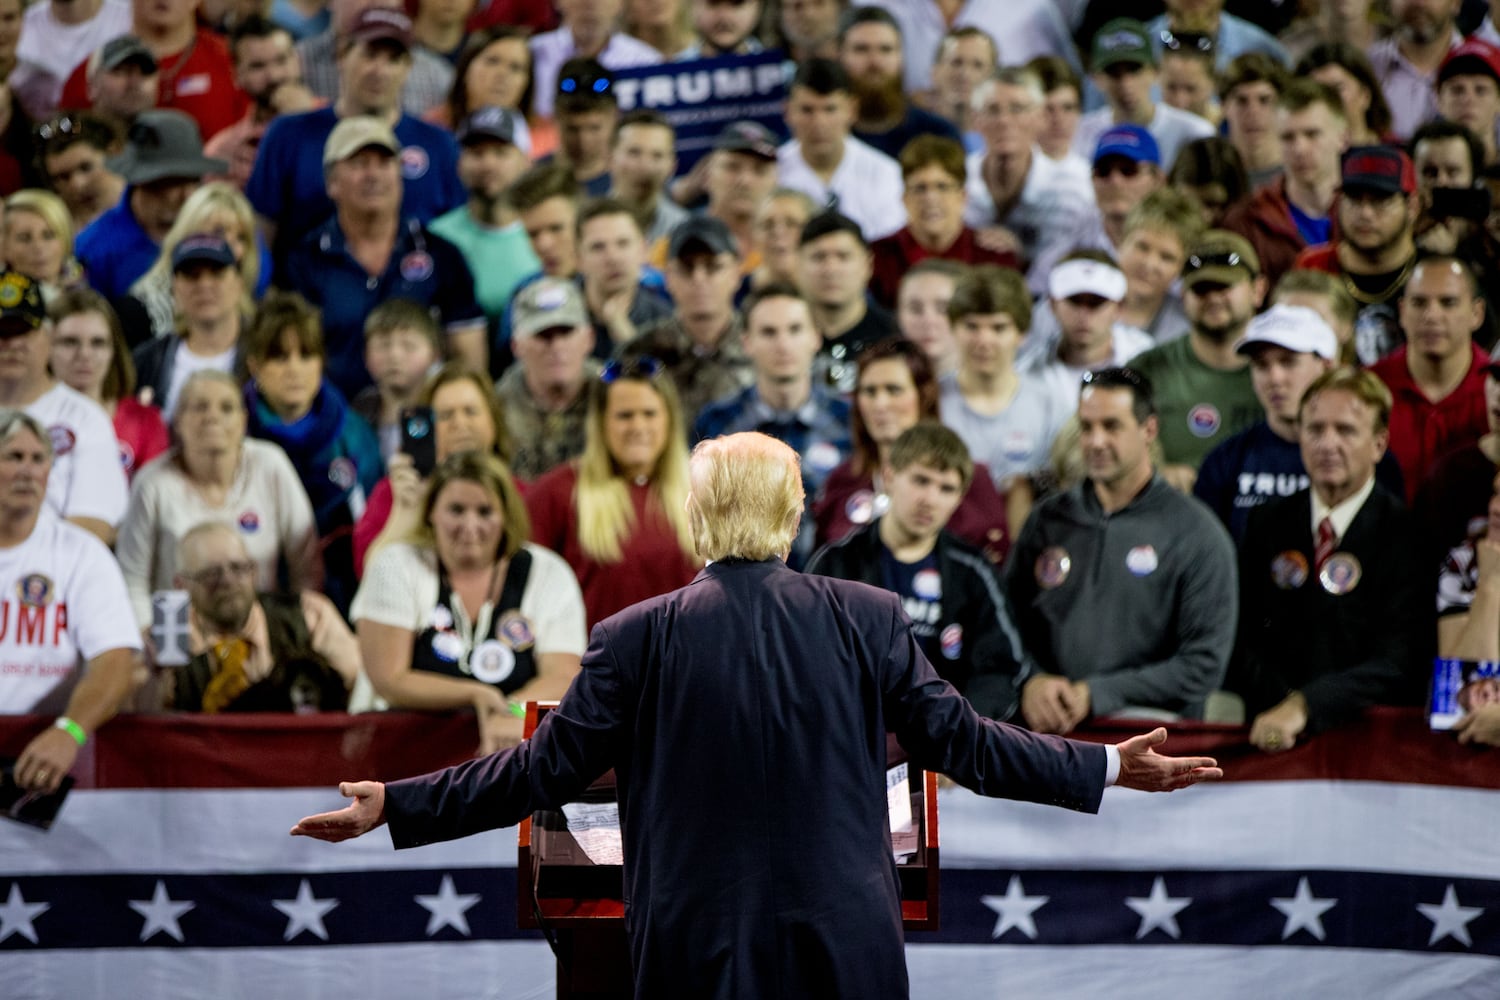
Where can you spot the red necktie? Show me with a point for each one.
(1327, 540)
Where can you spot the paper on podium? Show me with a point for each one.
(898, 802)
(596, 827)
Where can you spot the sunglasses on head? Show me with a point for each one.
(1187, 41)
(583, 84)
(60, 126)
(643, 367)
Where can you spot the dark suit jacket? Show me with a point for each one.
(1344, 652)
(745, 716)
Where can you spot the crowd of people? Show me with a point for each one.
(351, 354)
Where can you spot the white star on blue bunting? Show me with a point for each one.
(1015, 909)
(17, 914)
(447, 908)
(1447, 919)
(161, 913)
(1158, 911)
(305, 913)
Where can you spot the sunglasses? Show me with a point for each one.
(1124, 167)
(1197, 262)
(1113, 378)
(644, 367)
(1188, 41)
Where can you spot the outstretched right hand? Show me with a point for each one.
(359, 817)
(1142, 768)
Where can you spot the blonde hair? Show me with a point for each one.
(194, 220)
(746, 499)
(49, 208)
(602, 498)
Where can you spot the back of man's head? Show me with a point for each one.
(745, 498)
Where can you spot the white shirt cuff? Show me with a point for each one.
(1111, 764)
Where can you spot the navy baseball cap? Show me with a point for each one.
(203, 249)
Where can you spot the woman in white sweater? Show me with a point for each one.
(214, 473)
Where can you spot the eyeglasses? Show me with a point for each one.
(211, 575)
(1188, 41)
(1197, 262)
(644, 367)
(1125, 168)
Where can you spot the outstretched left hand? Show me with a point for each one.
(1143, 769)
(359, 817)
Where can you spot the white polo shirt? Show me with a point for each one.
(62, 603)
(87, 479)
(867, 184)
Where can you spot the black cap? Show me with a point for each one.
(205, 248)
(498, 124)
(701, 233)
(21, 307)
(748, 137)
(127, 48)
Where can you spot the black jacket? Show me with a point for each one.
(982, 654)
(745, 716)
(155, 361)
(1369, 645)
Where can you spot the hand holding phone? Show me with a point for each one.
(419, 438)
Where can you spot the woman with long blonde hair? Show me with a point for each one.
(617, 512)
(216, 209)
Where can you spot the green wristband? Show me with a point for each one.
(72, 728)
(517, 709)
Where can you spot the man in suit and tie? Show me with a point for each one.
(1335, 609)
(745, 718)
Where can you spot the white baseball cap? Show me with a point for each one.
(1086, 277)
(1296, 328)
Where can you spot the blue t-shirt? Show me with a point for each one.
(1313, 231)
(287, 183)
(920, 588)
(114, 250)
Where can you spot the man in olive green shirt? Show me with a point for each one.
(1202, 387)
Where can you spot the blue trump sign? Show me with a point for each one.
(701, 96)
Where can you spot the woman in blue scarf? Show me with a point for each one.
(290, 403)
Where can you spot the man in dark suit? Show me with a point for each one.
(745, 717)
(1335, 610)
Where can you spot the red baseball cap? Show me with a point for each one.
(1473, 56)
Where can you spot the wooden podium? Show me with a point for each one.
(580, 905)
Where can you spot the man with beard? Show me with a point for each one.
(738, 176)
(826, 163)
(1375, 251)
(255, 652)
(1437, 378)
(724, 28)
(1406, 63)
(1203, 388)
(870, 52)
(493, 150)
(267, 70)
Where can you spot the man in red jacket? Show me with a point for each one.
(1295, 210)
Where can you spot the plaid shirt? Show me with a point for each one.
(818, 431)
